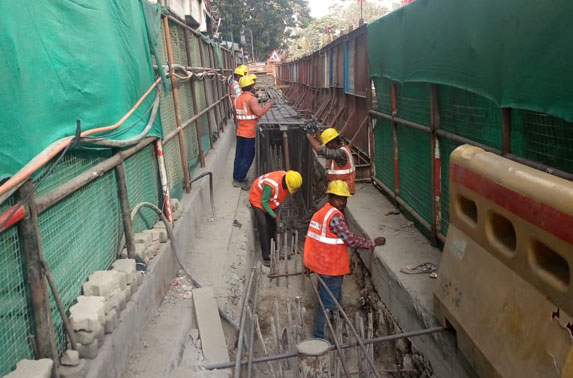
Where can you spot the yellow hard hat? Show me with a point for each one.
(254, 77)
(246, 81)
(241, 70)
(339, 188)
(328, 135)
(293, 181)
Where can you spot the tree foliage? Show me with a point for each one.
(344, 15)
(268, 20)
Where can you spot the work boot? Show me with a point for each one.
(236, 184)
(245, 185)
(267, 262)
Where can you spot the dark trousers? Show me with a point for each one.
(267, 229)
(334, 283)
(244, 155)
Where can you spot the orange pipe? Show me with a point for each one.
(45, 156)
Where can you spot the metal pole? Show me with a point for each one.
(350, 325)
(32, 247)
(164, 180)
(182, 147)
(329, 324)
(206, 93)
(194, 99)
(125, 211)
(242, 325)
(382, 339)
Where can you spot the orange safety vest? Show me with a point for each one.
(324, 252)
(345, 173)
(273, 179)
(247, 120)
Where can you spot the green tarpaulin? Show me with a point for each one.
(68, 60)
(515, 52)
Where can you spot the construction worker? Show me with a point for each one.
(340, 163)
(266, 195)
(235, 88)
(326, 248)
(248, 112)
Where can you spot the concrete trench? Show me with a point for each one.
(222, 251)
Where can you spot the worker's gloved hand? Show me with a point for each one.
(379, 241)
(281, 228)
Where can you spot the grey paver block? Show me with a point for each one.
(32, 369)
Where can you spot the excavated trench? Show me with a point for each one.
(285, 302)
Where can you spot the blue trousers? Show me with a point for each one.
(244, 155)
(334, 283)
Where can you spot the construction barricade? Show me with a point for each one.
(505, 279)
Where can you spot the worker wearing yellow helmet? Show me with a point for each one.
(339, 161)
(326, 248)
(235, 89)
(266, 195)
(247, 111)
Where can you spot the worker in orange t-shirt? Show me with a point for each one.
(248, 112)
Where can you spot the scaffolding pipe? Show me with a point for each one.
(382, 339)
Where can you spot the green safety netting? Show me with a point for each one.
(64, 61)
(516, 53)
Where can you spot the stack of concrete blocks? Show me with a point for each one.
(32, 369)
(147, 242)
(97, 312)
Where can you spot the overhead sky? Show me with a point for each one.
(318, 8)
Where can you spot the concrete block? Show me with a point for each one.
(116, 302)
(142, 237)
(122, 276)
(102, 283)
(89, 351)
(78, 371)
(85, 317)
(132, 289)
(32, 369)
(154, 234)
(163, 236)
(111, 320)
(95, 303)
(159, 225)
(127, 266)
(153, 248)
(140, 249)
(85, 337)
(177, 214)
(70, 358)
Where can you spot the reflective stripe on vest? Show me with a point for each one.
(243, 114)
(349, 159)
(264, 179)
(322, 237)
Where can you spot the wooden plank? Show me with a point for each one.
(210, 327)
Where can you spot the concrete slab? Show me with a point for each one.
(210, 327)
(409, 297)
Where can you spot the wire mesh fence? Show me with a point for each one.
(16, 327)
(82, 232)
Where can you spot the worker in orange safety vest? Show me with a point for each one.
(234, 87)
(340, 163)
(266, 195)
(326, 248)
(248, 112)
